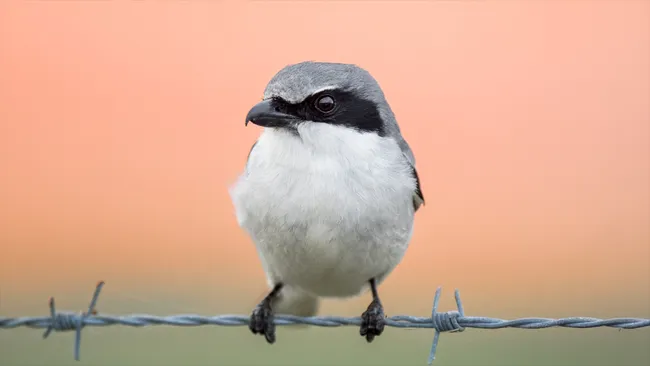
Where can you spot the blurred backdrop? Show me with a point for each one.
(122, 127)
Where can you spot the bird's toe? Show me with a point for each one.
(372, 321)
(262, 322)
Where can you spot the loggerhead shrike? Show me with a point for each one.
(329, 192)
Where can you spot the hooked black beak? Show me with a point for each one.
(266, 114)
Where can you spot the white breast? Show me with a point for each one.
(328, 208)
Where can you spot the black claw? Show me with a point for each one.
(372, 321)
(261, 321)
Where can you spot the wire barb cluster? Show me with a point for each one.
(450, 321)
(70, 321)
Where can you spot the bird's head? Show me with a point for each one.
(321, 92)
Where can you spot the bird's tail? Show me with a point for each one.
(294, 301)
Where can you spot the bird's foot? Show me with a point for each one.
(372, 321)
(261, 321)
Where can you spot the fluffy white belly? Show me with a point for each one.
(328, 210)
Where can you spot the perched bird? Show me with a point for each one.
(329, 192)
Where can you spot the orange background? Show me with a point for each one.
(122, 127)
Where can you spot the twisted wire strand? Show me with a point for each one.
(450, 321)
(68, 321)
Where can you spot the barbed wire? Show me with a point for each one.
(450, 321)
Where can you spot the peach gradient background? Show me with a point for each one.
(122, 127)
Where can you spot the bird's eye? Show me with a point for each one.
(325, 104)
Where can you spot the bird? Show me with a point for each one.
(328, 193)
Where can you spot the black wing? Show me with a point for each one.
(418, 197)
(249, 154)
